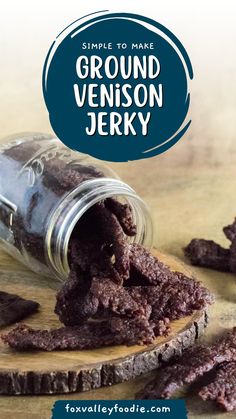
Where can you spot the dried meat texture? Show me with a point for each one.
(75, 303)
(232, 257)
(92, 255)
(194, 362)
(135, 331)
(22, 152)
(230, 231)
(171, 301)
(146, 269)
(208, 254)
(98, 244)
(116, 299)
(124, 214)
(114, 236)
(91, 335)
(223, 388)
(88, 336)
(14, 308)
(61, 177)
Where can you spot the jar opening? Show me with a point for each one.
(75, 205)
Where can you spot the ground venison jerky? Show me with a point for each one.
(135, 331)
(193, 363)
(208, 254)
(134, 315)
(232, 257)
(61, 177)
(145, 269)
(94, 250)
(230, 231)
(92, 256)
(75, 304)
(180, 297)
(91, 335)
(114, 235)
(14, 308)
(88, 336)
(173, 300)
(124, 214)
(116, 299)
(223, 388)
(22, 152)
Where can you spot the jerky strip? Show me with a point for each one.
(232, 258)
(208, 254)
(87, 336)
(146, 269)
(190, 366)
(75, 304)
(92, 255)
(173, 301)
(14, 308)
(124, 214)
(223, 388)
(230, 231)
(106, 236)
(91, 335)
(135, 331)
(114, 236)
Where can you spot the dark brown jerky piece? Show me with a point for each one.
(124, 214)
(14, 308)
(92, 255)
(74, 304)
(173, 300)
(116, 299)
(223, 388)
(208, 254)
(91, 335)
(22, 152)
(103, 244)
(88, 336)
(190, 366)
(232, 257)
(114, 236)
(33, 202)
(135, 331)
(145, 268)
(230, 231)
(88, 171)
(60, 177)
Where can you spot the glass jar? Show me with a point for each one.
(45, 188)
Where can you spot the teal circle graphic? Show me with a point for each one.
(116, 86)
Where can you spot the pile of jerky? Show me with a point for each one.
(116, 292)
(216, 364)
(209, 254)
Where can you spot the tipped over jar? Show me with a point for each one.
(45, 190)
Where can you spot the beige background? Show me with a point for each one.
(191, 189)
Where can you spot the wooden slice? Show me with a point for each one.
(73, 371)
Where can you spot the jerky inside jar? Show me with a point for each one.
(54, 200)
